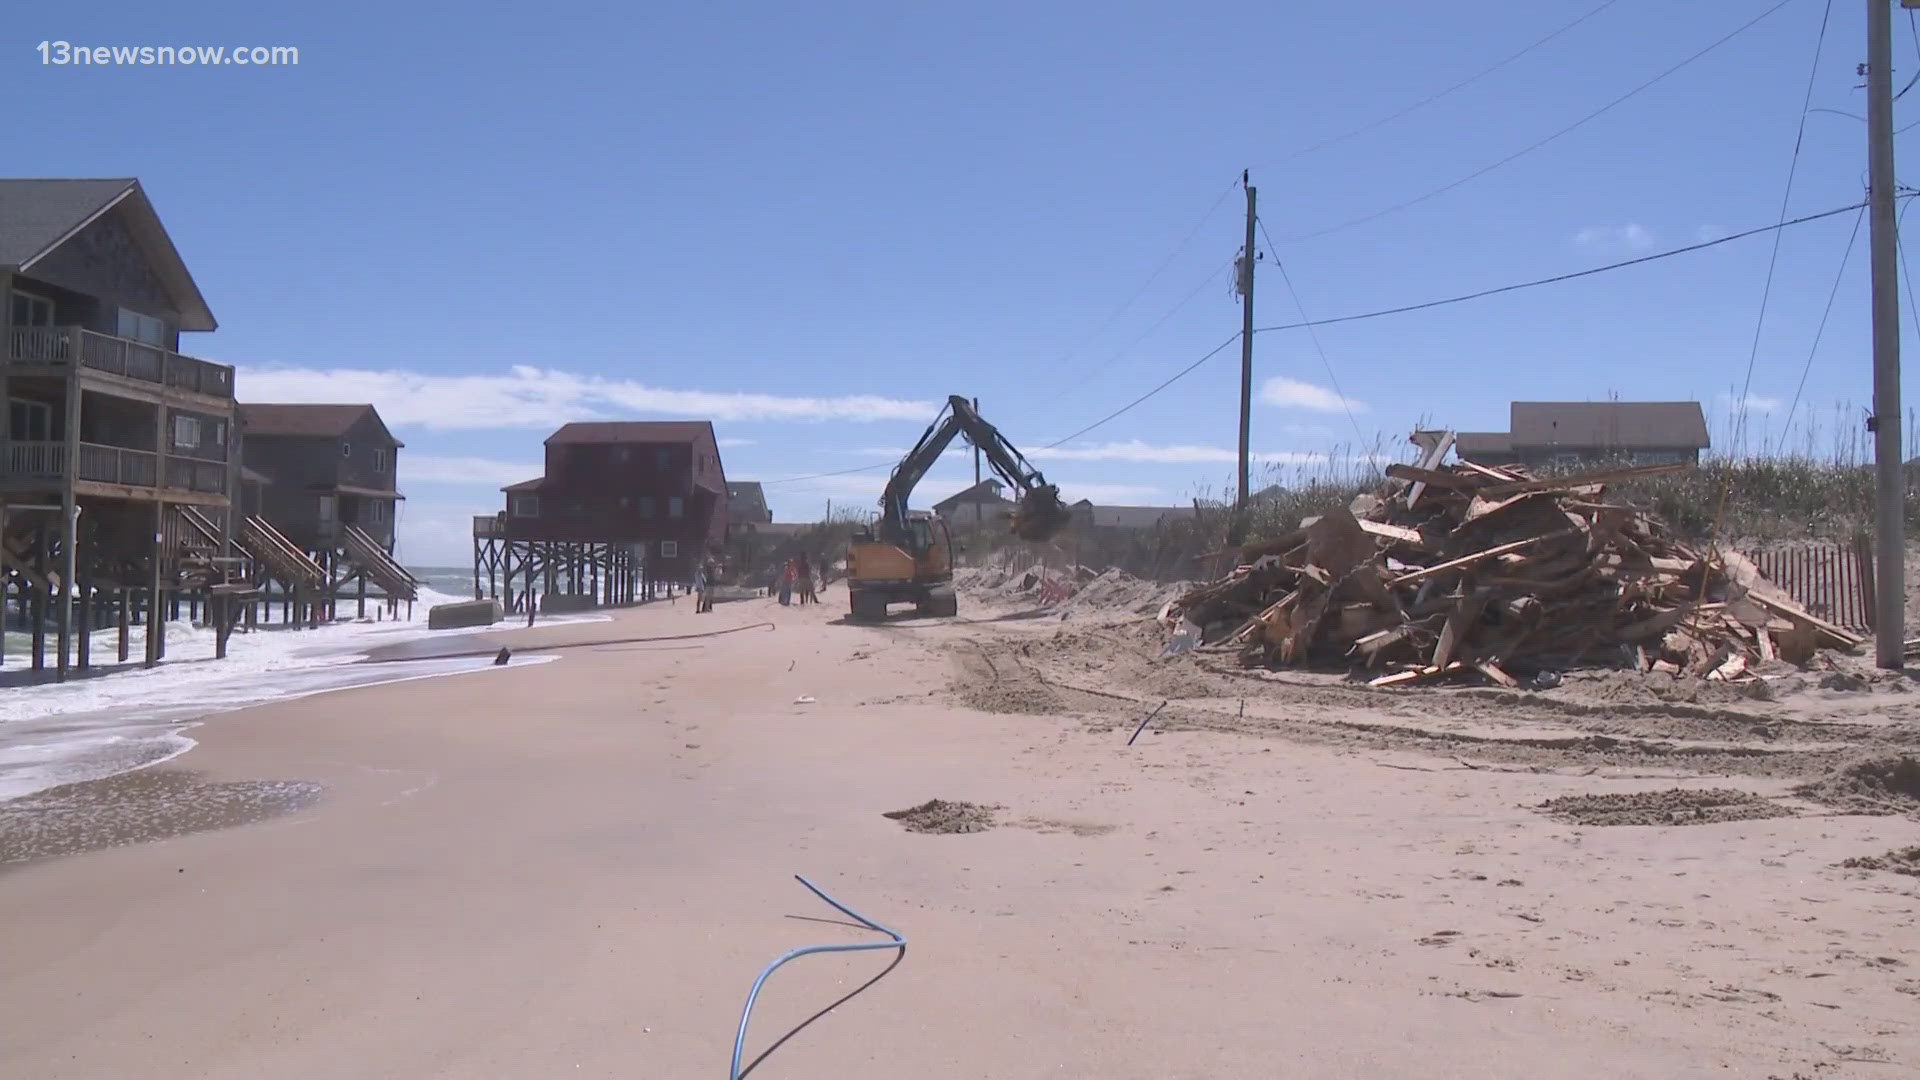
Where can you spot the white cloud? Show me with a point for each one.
(438, 534)
(726, 444)
(895, 453)
(1614, 239)
(1753, 403)
(531, 397)
(1293, 394)
(440, 469)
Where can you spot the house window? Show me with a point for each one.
(662, 459)
(527, 506)
(186, 433)
(31, 310)
(669, 549)
(143, 328)
(374, 511)
(346, 449)
(647, 506)
(326, 509)
(380, 462)
(216, 432)
(676, 506)
(32, 420)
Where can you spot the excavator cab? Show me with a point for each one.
(918, 570)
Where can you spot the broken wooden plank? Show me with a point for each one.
(1493, 672)
(1401, 678)
(1395, 533)
(1478, 556)
(1459, 620)
(1435, 477)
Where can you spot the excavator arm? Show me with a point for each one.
(1039, 515)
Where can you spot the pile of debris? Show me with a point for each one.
(1490, 573)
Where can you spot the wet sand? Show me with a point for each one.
(577, 867)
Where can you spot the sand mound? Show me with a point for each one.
(1676, 806)
(1885, 784)
(1903, 861)
(944, 816)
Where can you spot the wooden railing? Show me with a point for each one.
(488, 526)
(36, 460)
(113, 465)
(116, 465)
(189, 475)
(58, 345)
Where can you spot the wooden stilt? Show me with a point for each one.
(125, 593)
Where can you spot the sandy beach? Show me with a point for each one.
(576, 867)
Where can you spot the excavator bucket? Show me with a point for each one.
(1040, 514)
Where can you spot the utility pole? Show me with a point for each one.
(1889, 622)
(1239, 532)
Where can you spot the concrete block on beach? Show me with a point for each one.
(463, 614)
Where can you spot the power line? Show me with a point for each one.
(1124, 409)
(1821, 330)
(1518, 154)
(1142, 290)
(1281, 265)
(1557, 278)
(1382, 313)
(1773, 259)
(1431, 98)
(1142, 336)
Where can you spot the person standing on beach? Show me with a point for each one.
(786, 584)
(699, 588)
(803, 579)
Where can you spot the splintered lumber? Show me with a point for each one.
(1418, 674)
(1477, 557)
(1434, 477)
(1395, 533)
(1494, 675)
(1554, 575)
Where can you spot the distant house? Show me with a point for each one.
(975, 505)
(1086, 515)
(747, 511)
(657, 484)
(1559, 434)
(312, 469)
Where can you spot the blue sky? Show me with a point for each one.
(812, 225)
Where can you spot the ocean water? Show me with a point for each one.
(124, 718)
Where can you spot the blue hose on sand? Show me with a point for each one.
(898, 942)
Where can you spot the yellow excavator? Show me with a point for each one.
(906, 556)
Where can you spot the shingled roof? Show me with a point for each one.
(306, 421)
(633, 431)
(37, 216)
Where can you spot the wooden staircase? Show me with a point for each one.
(196, 548)
(282, 559)
(366, 554)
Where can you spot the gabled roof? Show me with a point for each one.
(633, 431)
(534, 484)
(986, 491)
(1626, 425)
(747, 501)
(37, 216)
(307, 421)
